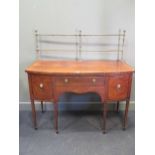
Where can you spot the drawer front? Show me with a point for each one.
(41, 87)
(118, 87)
(76, 81)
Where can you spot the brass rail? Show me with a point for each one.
(78, 43)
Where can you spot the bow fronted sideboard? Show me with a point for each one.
(110, 79)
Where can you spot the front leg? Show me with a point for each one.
(55, 105)
(34, 114)
(104, 116)
(126, 114)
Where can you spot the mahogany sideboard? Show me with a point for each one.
(110, 79)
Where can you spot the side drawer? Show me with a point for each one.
(118, 87)
(41, 87)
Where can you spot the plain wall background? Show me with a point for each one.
(68, 16)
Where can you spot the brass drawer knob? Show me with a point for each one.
(93, 80)
(66, 80)
(41, 85)
(118, 86)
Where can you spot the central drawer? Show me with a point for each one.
(82, 81)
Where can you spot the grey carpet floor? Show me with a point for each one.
(79, 134)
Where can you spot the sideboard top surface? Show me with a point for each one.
(80, 66)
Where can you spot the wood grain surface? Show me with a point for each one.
(78, 67)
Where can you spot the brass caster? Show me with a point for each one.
(124, 128)
(104, 132)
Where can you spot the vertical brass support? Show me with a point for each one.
(76, 44)
(123, 43)
(80, 43)
(37, 46)
(118, 50)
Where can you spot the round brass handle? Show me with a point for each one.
(41, 85)
(93, 80)
(66, 80)
(118, 86)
